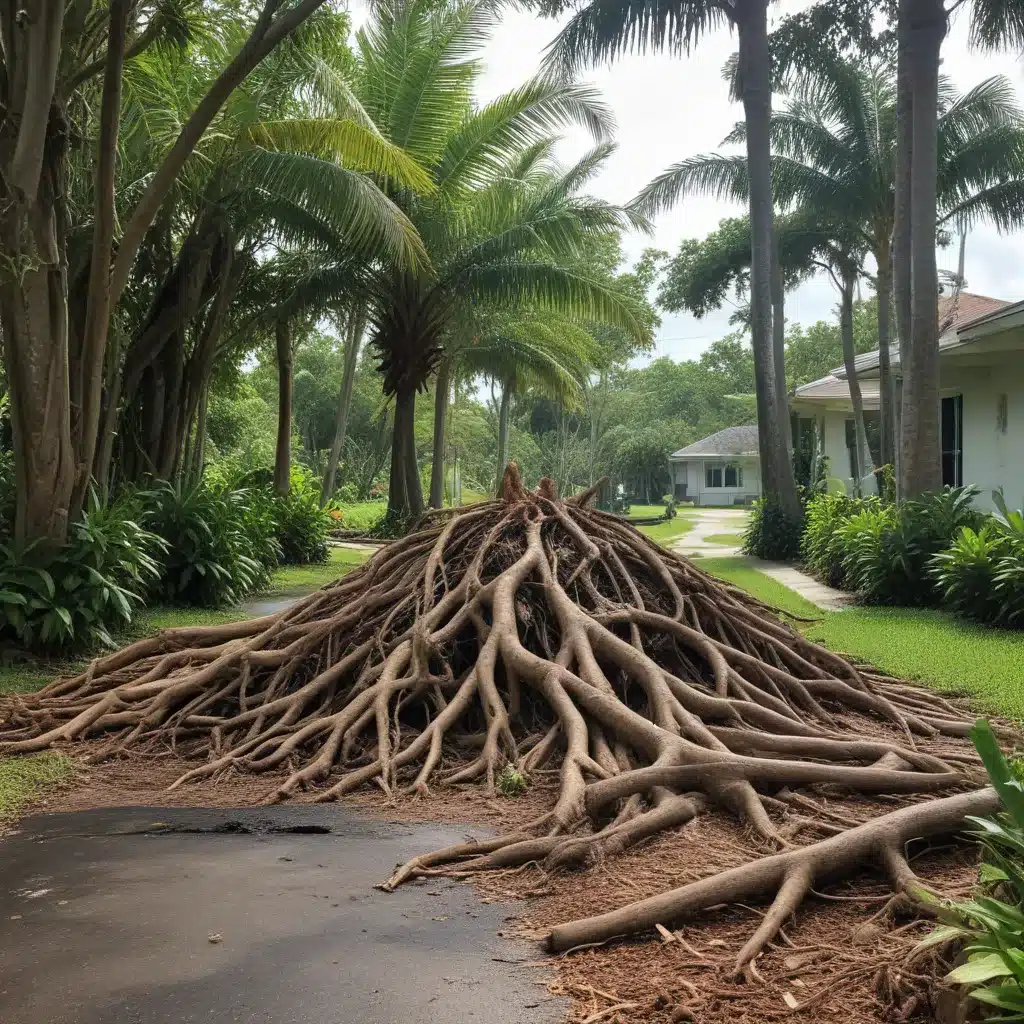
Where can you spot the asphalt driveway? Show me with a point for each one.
(181, 915)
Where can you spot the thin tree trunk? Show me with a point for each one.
(87, 390)
(883, 290)
(901, 248)
(398, 493)
(356, 324)
(442, 387)
(921, 460)
(755, 84)
(503, 409)
(283, 454)
(862, 454)
(198, 461)
(413, 484)
(779, 342)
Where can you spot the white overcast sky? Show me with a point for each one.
(671, 108)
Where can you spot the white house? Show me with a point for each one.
(723, 469)
(981, 361)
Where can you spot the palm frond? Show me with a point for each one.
(605, 29)
(722, 177)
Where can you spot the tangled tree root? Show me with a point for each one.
(533, 631)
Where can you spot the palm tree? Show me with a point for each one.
(526, 350)
(605, 28)
(287, 169)
(834, 158)
(489, 238)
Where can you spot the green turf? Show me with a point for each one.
(362, 515)
(670, 529)
(923, 644)
(732, 540)
(339, 562)
(24, 779)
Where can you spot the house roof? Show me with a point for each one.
(955, 314)
(831, 388)
(731, 441)
(958, 311)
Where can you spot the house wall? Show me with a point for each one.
(839, 455)
(691, 473)
(993, 447)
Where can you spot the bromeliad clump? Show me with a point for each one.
(532, 631)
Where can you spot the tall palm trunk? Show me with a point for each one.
(503, 410)
(755, 88)
(901, 248)
(920, 449)
(779, 342)
(442, 387)
(887, 398)
(862, 453)
(356, 325)
(285, 369)
(405, 494)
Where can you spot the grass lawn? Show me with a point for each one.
(669, 530)
(23, 779)
(339, 562)
(731, 539)
(915, 643)
(362, 515)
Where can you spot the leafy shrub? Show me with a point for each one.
(302, 524)
(511, 781)
(75, 595)
(670, 506)
(771, 533)
(219, 544)
(888, 549)
(822, 543)
(992, 924)
(346, 494)
(981, 574)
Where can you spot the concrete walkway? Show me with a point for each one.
(256, 916)
(825, 597)
(708, 521)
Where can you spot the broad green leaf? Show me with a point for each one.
(982, 969)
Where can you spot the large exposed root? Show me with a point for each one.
(542, 634)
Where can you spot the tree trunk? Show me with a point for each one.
(503, 410)
(87, 389)
(413, 484)
(862, 453)
(199, 459)
(883, 290)
(755, 86)
(901, 249)
(920, 446)
(283, 454)
(403, 446)
(356, 324)
(779, 342)
(34, 286)
(442, 387)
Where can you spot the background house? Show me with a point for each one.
(981, 361)
(723, 469)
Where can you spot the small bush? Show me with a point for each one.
(511, 781)
(212, 537)
(822, 544)
(991, 926)
(771, 533)
(302, 525)
(670, 506)
(889, 548)
(76, 595)
(981, 574)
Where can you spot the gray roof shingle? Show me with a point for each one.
(731, 441)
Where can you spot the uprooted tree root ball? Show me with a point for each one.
(541, 633)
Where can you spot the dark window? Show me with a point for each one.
(953, 441)
(713, 475)
(733, 476)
